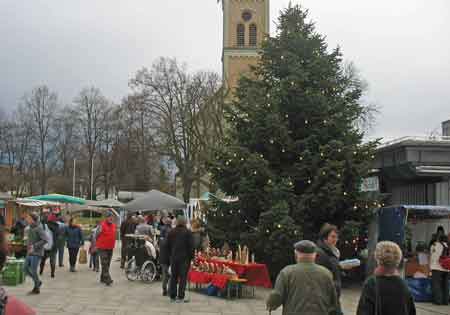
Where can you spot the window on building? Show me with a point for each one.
(253, 32)
(240, 32)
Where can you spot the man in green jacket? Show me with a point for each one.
(304, 288)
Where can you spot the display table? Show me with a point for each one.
(257, 275)
(219, 281)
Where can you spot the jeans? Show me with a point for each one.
(52, 255)
(60, 250)
(440, 288)
(105, 261)
(178, 279)
(73, 254)
(31, 269)
(94, 261)
(165, 277)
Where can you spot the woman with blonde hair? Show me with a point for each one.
(385, 293)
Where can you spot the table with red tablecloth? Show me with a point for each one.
(257, 275)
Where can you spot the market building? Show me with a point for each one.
(415, 170)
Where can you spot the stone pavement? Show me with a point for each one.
(81, 293)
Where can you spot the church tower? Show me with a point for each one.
(245, 24)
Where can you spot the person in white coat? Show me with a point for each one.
(439, 275)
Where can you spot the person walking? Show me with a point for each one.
(75, 240)
(385, 293)
(105, 236)
(61, 240)
(51, 224)
(164, 254)
(181, 248)
(328, 256)
(35, 250)
(439, 275)
(304, 288)
(127, 227)
(94, 261)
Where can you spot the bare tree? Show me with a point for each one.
(39, 110)
(16, 147)
(178, 103)
(91, 109)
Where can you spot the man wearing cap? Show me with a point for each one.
(106, 240)
(304, 288)
(35, 250)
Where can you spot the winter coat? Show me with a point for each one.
(382, 295)
(328, 259)
(436, 251)
(74, 236)
(164, 230)
(36, 240)
(304, 288)
(127, 227)
(61, 239)
(180, 245)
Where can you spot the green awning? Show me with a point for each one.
(59, 198)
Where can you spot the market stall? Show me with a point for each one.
(219, 270)
(412, 228)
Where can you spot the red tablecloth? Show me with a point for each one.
(257, 275)
(216, 280)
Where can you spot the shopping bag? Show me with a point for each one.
(82, 259)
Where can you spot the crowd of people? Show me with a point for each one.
(311, 286)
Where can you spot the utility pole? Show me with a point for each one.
(92, 179)
(74, 171)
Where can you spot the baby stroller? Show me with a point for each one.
(144, 262)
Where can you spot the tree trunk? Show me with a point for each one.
(187, 187)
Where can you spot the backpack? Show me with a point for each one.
(49, 238)
(444, 260)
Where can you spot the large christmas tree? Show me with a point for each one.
(294, 155)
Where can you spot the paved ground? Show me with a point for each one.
(80, 293)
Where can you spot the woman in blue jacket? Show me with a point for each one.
(75, 240)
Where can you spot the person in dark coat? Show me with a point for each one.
(54, 229)
(75, 240)
(164, 254)
(181, 249)
(127, 227)
(386, 293)
(328, 256)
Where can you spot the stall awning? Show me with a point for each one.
(35, 203)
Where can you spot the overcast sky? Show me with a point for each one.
(402, 48)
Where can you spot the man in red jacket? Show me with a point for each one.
(106, 240)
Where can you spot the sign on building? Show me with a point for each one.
(370, 184)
